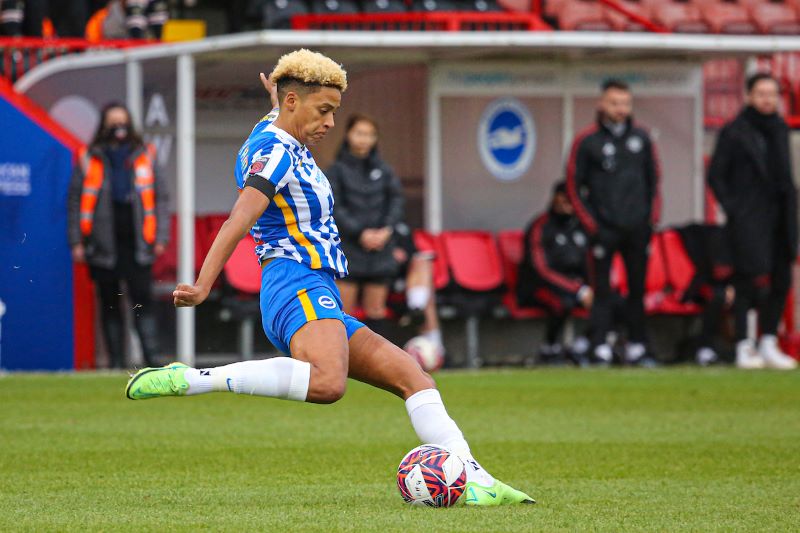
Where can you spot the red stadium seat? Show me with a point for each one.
(512, 248)
(726, 17)
(620, 22)
(474, 260)
(583, 15)
(678, 17)
(242, 271)
(775, 18)
(427, 242)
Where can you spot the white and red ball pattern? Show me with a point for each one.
(431, 475)
(425, 352)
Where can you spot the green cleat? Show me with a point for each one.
(167, 380)
(497, 494)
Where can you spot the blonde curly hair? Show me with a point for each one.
(309, 68)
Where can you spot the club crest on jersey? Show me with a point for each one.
(326, 302)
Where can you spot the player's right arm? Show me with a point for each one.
(251, 204)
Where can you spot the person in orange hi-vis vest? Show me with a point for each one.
(119, 224)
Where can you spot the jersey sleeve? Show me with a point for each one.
(269, 173)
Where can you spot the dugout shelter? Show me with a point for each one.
(478, 125)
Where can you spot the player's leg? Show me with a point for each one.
(301, 316)
(376, 361)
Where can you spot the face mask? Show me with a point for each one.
(119, 132)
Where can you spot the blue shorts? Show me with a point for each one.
(293, 295)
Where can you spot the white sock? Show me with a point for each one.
(417, 297)
(435, 336)
(434, 426)
(278, 377)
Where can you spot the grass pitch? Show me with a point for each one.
(611, 450)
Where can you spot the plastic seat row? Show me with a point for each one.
(476, 265)
(695, 16)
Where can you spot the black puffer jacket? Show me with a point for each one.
(367, 195)
(613, 180)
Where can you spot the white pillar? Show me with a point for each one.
(433, 176)
(185, 201)
(133, 93)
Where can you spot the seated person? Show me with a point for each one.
(712, 285)
(415, 280)
(553, 271)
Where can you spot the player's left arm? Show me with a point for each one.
(251, 204)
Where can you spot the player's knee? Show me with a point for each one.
(331, 392)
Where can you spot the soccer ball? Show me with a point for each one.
(431, 475)
(426, 353)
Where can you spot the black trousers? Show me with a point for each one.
(764, 292)
(138, 288)
(632, 246)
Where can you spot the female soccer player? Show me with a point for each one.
(285, 201)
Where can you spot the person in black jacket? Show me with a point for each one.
(751, 176)
(552, 273)
(612, 180)
(369, 203)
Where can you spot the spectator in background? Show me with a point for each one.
(711, 286)
(751, 176)
(612, 180)
(12, 16)
(553, 274)
(369, 203)
(118, 224)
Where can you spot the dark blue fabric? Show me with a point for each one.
(121, 169)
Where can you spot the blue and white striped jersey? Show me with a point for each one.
(298, 223)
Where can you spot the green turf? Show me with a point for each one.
(667, 450)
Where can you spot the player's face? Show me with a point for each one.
(314, 114)
(362, 138)
(764, 97)
(616, 105)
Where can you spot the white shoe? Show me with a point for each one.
(747, 357)
(634, 351)
(772, 354)
(706, 356)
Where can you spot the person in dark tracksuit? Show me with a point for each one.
(612, 180)
(118, 220)
(751, 176)
(552, 273)
(711, 286)
(369, 204)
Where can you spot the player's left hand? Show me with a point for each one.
(186, 295)
(158, 249)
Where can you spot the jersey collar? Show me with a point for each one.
(284, 136)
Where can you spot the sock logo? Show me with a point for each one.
(205, 372)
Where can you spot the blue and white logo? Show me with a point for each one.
(507, 139)
(326, 302)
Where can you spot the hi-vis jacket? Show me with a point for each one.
(90, 209)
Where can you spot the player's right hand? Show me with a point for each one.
(188, 295)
